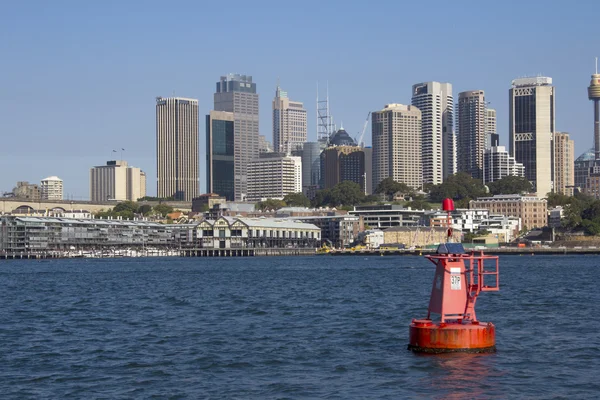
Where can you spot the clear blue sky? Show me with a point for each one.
(78, 79)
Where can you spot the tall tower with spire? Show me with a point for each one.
(594, 95)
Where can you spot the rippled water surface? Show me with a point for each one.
(295, 327)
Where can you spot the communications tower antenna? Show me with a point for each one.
(324, 120)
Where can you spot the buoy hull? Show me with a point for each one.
(429, 337)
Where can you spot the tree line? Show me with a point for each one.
(131, 209)
(460, 187)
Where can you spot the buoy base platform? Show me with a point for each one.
(452, 337)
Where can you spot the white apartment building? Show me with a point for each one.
(51, 188)
(499, 164)
(396, 132)
(116, 181)
(438, 142)
(506, 227)
(463, 219)
(274, 176)
(289, 123)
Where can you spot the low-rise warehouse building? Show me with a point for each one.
(234, 232)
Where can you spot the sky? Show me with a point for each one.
(79, 79)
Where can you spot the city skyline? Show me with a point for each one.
(111, 82)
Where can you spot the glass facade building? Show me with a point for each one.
(220, 154)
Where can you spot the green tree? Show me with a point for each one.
(270, 204)
(296, 200)
(460, 186)
(389, 187)
(145, 209)
(322, 198)
(510, 185)
(152, 198)
(575, 211)
(419, 202)
(126, 206)
(162, 210)
(591, 227)
(372, 199)
(346, 193)
(558, 199)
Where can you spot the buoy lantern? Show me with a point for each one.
(458, 280)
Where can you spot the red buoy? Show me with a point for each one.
(458, 280)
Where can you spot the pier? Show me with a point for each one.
(247, 252)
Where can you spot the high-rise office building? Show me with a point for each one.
(177, 153)
(311, 167)
(116, 181)
(396, 133)
(499, 164)
(438, 143)
(491, 136)
(342, 161)
(564, 164)
(531, 130)
(472, 124)
(273, 176)
(220, 154)
(51, 188)
(237, 94)
(289, 123)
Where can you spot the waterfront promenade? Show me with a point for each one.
(258, 252)
(491, 251)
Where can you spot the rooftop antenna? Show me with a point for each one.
(596, 65)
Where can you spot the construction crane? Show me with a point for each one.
(362, 135)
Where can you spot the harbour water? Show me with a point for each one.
(287, 327)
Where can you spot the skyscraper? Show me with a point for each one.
(564, 162)
(116, 181)
(396, 132)
(472, 124)
(311, 167)
(289, 123)
(220, 161)
(342, 161)
(237, 94)
(177, 158)
(491, 136)
(438, 144)
(531, 130)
